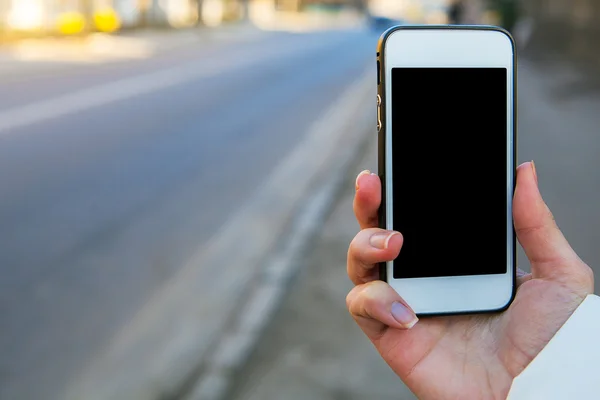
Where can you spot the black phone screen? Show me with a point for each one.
(449, 164)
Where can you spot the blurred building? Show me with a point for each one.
(68, 17)
(58, 16)
(474, 11)
(425, 11)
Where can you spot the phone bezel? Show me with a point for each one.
(449, 46)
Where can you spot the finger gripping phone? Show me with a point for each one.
(447, 154)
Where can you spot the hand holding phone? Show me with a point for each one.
(460, 356)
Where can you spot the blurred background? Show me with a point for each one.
(176, 179)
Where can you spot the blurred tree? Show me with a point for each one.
(144, 7)
(200, 6)
(508, 12)
(456, 12)
(87, 10)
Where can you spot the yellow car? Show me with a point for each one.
(103, 20)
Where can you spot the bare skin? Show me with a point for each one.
(466, 357)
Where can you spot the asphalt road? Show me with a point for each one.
(112, 175)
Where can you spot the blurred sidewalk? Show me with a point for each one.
(99, 48)
(313, 349)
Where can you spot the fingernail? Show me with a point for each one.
(381, 240)
(365, 172)
(534, 171)
(403, 315)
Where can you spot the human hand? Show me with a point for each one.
(475, 356)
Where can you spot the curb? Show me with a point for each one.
(235, 346)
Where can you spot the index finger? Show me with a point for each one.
(367, 199)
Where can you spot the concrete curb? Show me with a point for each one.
(208, 316)
(235, 346)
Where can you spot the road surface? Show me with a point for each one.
(114, 173)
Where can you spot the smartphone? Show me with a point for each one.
(447, 151)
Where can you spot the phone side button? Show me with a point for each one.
(378, 113)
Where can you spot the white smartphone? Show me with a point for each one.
(447, 154)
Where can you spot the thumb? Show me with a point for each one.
(546, 248)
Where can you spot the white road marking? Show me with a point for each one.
(96, 96)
